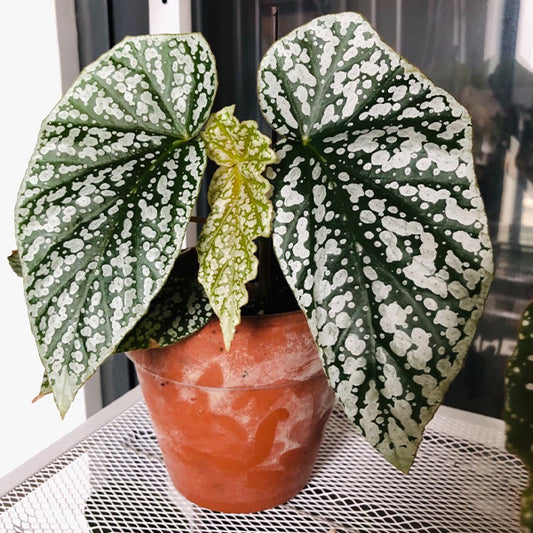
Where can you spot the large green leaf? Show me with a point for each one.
(518, 413)
(379, 225)
(102, 210)
(241, 212)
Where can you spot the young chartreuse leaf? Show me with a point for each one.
(241, 211)
(379, 225)
(102, 210)
(518, 413)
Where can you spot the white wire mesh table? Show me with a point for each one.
(114, 480)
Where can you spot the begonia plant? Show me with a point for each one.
(370, 195)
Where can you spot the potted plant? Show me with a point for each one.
(377, 224)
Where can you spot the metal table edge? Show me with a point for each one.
(107, 414)
(52, 452)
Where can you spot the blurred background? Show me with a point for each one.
(480, 51)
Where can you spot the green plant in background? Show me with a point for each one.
(518, 414)
(378, 224)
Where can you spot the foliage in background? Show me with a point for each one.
(518, 413)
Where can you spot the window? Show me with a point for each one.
(31, 86)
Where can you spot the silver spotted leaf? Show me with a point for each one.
(102, 210)
(241, 212)
(379, 226)
(518, 414)
(180, 309)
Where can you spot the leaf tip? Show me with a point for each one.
(153, 344)
(14, 262)
(40, 396)
(228, 333)
(401, 461)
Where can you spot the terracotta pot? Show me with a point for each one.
(239, 430)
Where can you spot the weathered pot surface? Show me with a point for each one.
(239, 430)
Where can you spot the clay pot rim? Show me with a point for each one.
(285, 319)
(280, 384)
(265, 320)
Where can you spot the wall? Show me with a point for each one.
(31, 85)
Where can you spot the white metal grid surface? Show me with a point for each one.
(114, 481)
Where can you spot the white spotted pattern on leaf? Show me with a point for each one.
(103, 207)
(180, 309)
(379, 226)
(241, 211)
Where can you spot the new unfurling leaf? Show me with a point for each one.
(241, 211)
